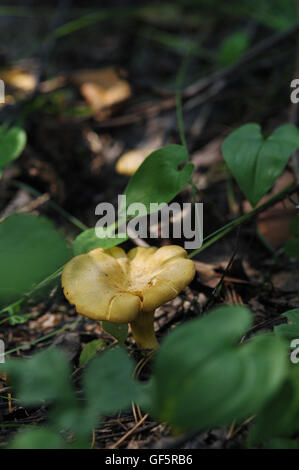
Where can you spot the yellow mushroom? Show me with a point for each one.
(130, 161)
(114, 286)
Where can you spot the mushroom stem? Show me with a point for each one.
(143, 331)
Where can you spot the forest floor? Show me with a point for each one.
(71, 155)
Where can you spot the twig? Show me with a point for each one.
(31, 206)
(123, 438)
(215, 291)
(238, 67)
(220, 233)
(207, 87)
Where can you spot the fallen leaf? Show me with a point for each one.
(274, 223)
(102, 88)
(19, 78)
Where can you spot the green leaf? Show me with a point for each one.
(70, 417)
(108, 382)
(289, 330)
(90, 350)
(261, 352)
(203, 379)
(33, 379)
(232, 48)
(256, 162)
(12, 143)
(190, 345)
(88, 240)
(117, 330)
(17, 319)
(279, 417)
(41, 438)
(158, 179)
(30, 250)
(196, 340)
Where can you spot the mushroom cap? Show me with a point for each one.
(130, 161)
(114, 286)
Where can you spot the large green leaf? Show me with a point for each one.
(108, 382)
(12, 143)
(41, 438)
(193, 342)
(30, 250)
(261, 352)
(44, 377)
(203, 378)
(108, 386)
(256, 162)
(279, 418)
(159, 179)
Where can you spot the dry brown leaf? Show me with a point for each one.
(52, 84)
(102, 88)
(48, 320)
(20, 79)
(274, 224)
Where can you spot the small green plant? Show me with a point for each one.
(233, 48)
(277, 423)
(107, 384)
(255, 162)
(202, 377)
(30, 250)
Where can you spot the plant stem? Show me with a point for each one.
(213, 237)
(143, 331)
(72, 219)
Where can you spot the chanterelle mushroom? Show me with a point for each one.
(127, 288)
